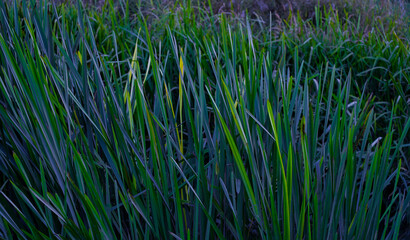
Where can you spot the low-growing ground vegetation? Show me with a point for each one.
(126, 121)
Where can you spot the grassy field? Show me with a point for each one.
(186, 122)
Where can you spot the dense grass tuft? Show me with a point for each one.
(198, 125)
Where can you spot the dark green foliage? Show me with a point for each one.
(117, 128)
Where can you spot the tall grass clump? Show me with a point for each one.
(113, 129)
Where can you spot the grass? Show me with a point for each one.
(200, 126)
